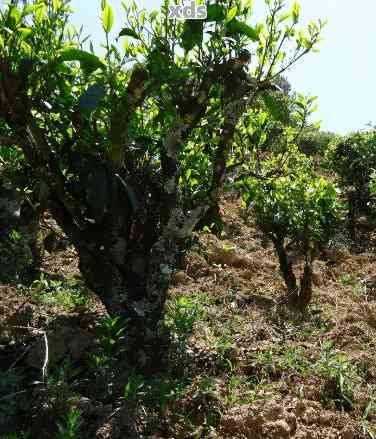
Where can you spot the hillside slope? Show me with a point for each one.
(242, 364)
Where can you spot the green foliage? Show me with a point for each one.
(192, 34)
(52, 292)
(134, 384)
(353, 157)
(215, 12)
(21, 435)
(276, 108)
(107, 18)
(275, 363)
(89, 62)
(182, 313)
(341, 377)
(111, 332)
(313, 141)
(68, 427)
(294, 206)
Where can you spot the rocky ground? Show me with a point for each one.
(242, 364)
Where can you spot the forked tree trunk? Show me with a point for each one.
(286, 266)
(129, 269)
(299, 296)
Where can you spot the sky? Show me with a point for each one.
(342, 75)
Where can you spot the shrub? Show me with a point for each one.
(297, 209)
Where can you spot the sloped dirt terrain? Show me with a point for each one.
(242, 364)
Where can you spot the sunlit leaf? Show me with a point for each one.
(284, 17)
(14, 15)
(231, 14)
(27, 10)
(25, 32)
(40, 12)
(56, 4)
(295, 12)
(107, 18)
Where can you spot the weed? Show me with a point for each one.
(347, 280)
(223, 346)
(371, 404)
(274, 363)
(293, 360)
(233, 384)
(168, 390)
(58, 293)
(69, 425)
(111, 334)
(134, 385)
(341, 378)
(182, 313)
(263, 363)
(206, 385)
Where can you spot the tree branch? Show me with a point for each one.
(121, 116)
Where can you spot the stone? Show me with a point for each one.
(347, 433)
(180, 278)
(276, 429)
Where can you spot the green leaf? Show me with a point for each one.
(103, 4)
(89, 62)
(275, 107)
(107, 18)
(128, 32)
(40, 12)
(56, 5)
(14, 15)
(91, 98)
(231, 14)
(142, 17)
(25, 32)
(295, 12)
(215, 12)
(27, 10)
(236, 27)
(192, 34)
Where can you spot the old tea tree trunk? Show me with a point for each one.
(121, 211)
